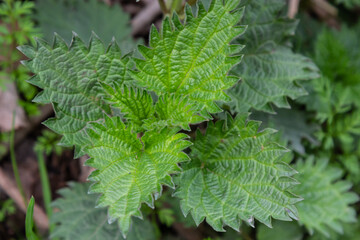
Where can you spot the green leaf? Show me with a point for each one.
(172, 110)
(235, 173)
(78, 218)
(83, 17)
(131, 171)
(136, 104)
(326, 198)
(29, 221)
(270, 71)
(71, 78)
(193, 59)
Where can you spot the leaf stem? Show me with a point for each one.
(163, 7)
(13, 161)
(176, 5)
(45, 184)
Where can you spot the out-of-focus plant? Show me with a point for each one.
(333, 105)
(16, 28)
(46, 144)
(7, 207)
(335, 98)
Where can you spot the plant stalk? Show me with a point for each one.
(163, 7)
(45, 185)
(13, 161)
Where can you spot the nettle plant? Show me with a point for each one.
(134, 118)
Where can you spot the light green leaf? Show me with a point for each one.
(172, 110)
(136, 104)
(270, 70)
(78, 218)
(193, 59)
(131, 171)
(235, 173)
(326, 204)
(71, 77)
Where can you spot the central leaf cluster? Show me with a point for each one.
(126, 114)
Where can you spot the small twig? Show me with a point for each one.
(9, 187)
(145, 17)
(293, 8)
(326, 12)
(325, 6)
